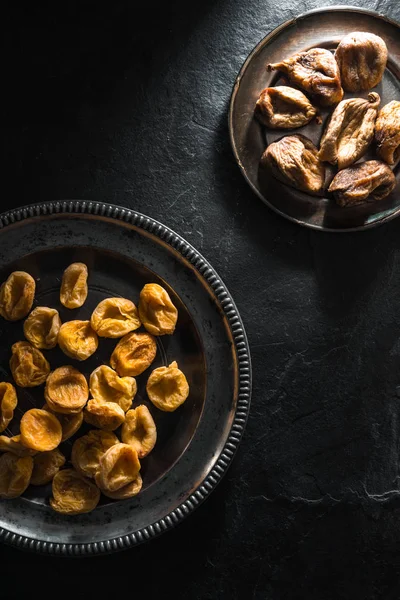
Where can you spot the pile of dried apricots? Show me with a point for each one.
(101, 462)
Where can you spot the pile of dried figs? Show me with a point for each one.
(320, 78)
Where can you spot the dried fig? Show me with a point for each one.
(46, 465)
(73, 494)
(114, 317)
(362, 59)
(139, 430)
(119, 466)
(127, 491)
(14, 445)
(387, 133)
(294, 161)
(368, 181)
(66, 390)
(70, 423)
(283, 107)
(8, 403)
(42, 326)
(133, 354)
(156, 310)
(88, 449)
(167, 387)
(40, 430)
(104, 415)
(350, 131)
(28, 365)
(15, 474)
(105, 385)
(74, 288)
(77, 339)
(16, 296)
(315, 71)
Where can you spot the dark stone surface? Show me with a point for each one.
(130, 105)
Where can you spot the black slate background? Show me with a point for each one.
(128, 104)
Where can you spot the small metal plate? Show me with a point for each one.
(320, 28)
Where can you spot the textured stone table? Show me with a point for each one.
(129, 105)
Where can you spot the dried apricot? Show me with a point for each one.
(127, 491)
(156, 310)
(15, 474)
(77, 339)
(40, 430)
(8, 403)
(16, 296)
(28, 365)
(46, 465)
(74, 288)
(88, 449)
(13, 444)
(70, 423)
(73, 494)
(42, 326)
(139, 430)
(104, 415)
(66, 390)
(167, 387)
(119, 466)
(107, 386)
(133, 354)
(114, 317)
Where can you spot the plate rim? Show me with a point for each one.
(244, 374)
(273, 33)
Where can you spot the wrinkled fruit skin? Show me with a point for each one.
(114, 318)
(315, 71)
(74, 288)
(167, 387)
(45, 466)
(294, 161)
(283, 107)
(88, 449)
(156, 310)
(387, 133)
(8, 403)
(127, 491)
(133, 354)
(16, 296)
(13, 444)
(42, 326)
(73, 494)
(70, 423)
(40, 430)
(139, 430)
(66, 390)
(107, 386)
(366, 182)
(77, 339)
(362, 59)
(15, 474)
(28, 365)
(119, 466)
(350, 131)
(104, 415)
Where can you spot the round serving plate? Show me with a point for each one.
(125, 250)
(324, 28)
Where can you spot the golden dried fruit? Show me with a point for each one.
(46, 465)
(16, 296)
(368, 181)
(387, 133)
(127, 491)
(77, 339)
(106, 385)
(167, 387)
(14, 445)
(40, 430)
(350, 131)
(315, 71)
(156, 310)
(104, 415)
(66, 390)
(70, 423)
(74, 288)
(119, 466)
(362, 59)
(28, 365)
(139, 430)
(73, 494)
(15, 474)
(284, 107)
(8, 403)
(42, 326)
(294, 161)
(88, 449)
(133, 354)
(114, 317)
